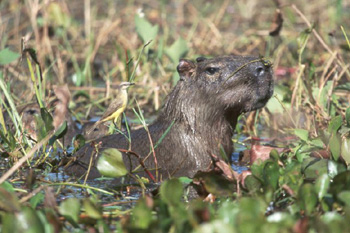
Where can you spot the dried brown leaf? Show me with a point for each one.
(277, 23)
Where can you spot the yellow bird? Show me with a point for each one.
(116, 108)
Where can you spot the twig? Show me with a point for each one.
(140, 161)
(82, 186)
(32, 194)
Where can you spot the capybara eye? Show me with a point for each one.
(200, 59)
(211, 70)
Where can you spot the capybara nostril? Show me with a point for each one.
(259, 71)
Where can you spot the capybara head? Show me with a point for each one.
(238, 83)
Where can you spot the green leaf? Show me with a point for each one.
(344, 87)
(252, 183)
(60, 132)
(37, 199)
(8, 141)
(322, 185)
(228, 209)
(8, 187)
(47, 118)
(70, 209)
(214, 227)
(347, 116)
(292, 176)
(307, 198)
(111, 163)
(175, 78)
(335, 124)
(223, 154)
(332, 222)
(278, 217)
(302, 134)
(185, 180)
(78, 142)
(145, 29)
(271, 173)
(50, 220)
(177, 50)
(317, 142)
(344, 196)
(323, 97)
(278, 103)
(171, 191)
(341, 182)
(314, 167)
(141, 215)
(251, 215)
(345, 150)
(335, 168)
(274, 155)
(7, 56)
(91, 209)
(213, 183)
(334, 146)
(302, 40)
(28, 221)
(274, 106)
(8, 201)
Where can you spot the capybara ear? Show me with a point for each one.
(186, 68)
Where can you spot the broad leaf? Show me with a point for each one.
(335, 124)
(7, 56)
(70, 209)
(47, 118)
(177, 50)
(345, 150)
(347, 116)
(111, 163)
(334, 146)
(91, 209)
(271, 174)
(302, 134)
(171, 191)
(141, 215)
(341, 182)
(27, 220)
(60, 132)
(314, 167)
(344, 196)
(322, 185)
(145, 29)
(307, 198)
